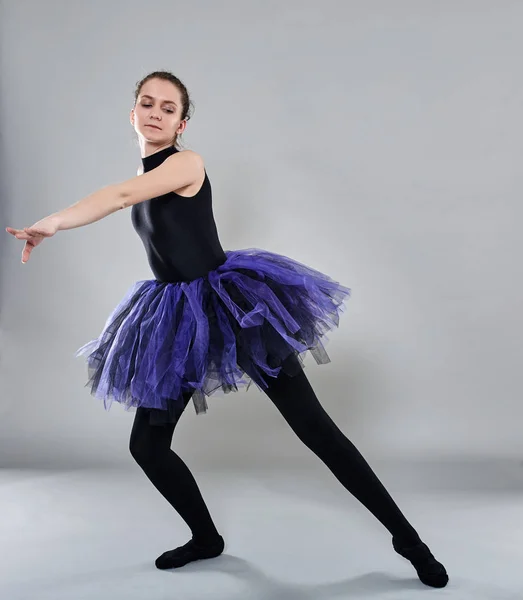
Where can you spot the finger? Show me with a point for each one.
(23, 236)
(26, 253)
(13, 231)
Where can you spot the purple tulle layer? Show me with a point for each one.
(238, 324)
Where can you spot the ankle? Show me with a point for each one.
(204, 541)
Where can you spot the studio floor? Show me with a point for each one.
(296, 535)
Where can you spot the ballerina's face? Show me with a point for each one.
(157, 115)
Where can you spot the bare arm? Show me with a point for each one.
(179, 170)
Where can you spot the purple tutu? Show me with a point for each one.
(237, 324)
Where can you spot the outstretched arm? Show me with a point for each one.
(179, 170)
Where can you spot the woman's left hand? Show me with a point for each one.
(35, 234)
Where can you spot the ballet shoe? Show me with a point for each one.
(430, 571)
(189, 552)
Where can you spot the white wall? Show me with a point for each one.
(379, 142)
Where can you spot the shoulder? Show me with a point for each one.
(186, 157)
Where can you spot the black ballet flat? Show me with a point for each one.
(430, 571)
(189, 552)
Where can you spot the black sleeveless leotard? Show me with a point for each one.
(179, 233)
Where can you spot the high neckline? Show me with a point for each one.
(156, 158)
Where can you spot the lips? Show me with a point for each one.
(153, 126)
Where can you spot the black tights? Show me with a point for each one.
(150, 445)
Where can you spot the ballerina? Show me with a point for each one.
(211, 321)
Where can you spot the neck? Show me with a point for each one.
(146, 148)
(156, 157)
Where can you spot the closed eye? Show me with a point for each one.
(148, 105)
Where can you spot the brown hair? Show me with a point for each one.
(187, 104)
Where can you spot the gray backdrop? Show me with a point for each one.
(377, 141)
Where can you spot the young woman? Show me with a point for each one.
(211, 320)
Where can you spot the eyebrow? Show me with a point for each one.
(151, 98)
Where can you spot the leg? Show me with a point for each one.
(299, 406)
(150, 446)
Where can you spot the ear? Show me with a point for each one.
(181, 127)
(131, 117)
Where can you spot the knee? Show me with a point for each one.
(136, 449)
(318, 434)
(142, 450)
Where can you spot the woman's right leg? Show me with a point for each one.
(150, 446)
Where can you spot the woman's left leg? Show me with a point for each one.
(295, 399)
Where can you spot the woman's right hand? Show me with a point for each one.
(34, 235)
